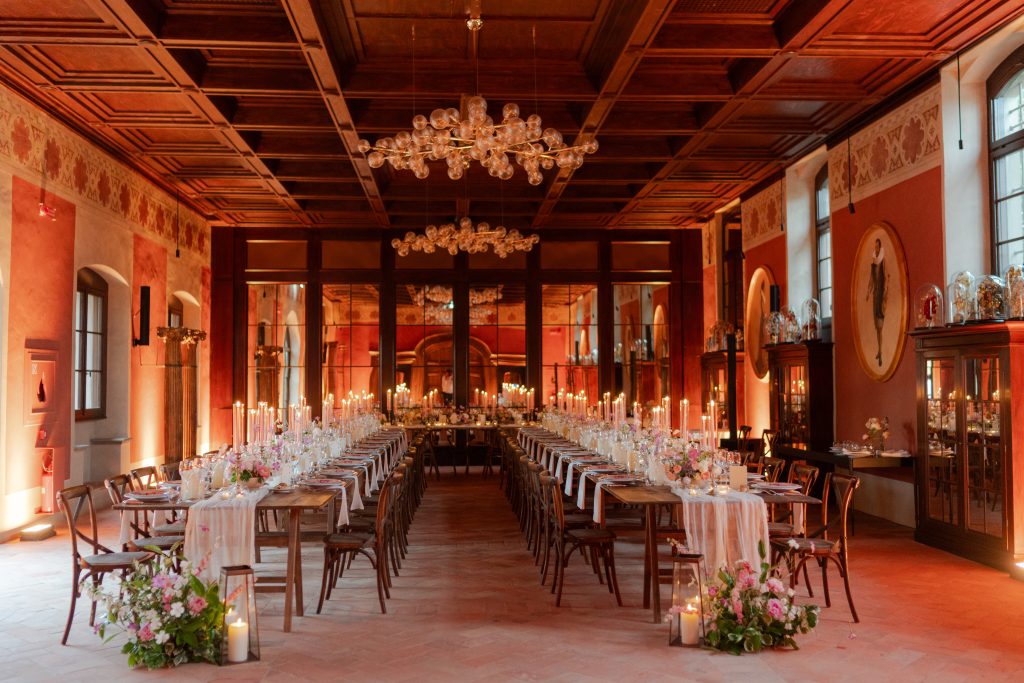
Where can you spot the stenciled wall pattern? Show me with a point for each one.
(763, 215)
(898, 146)
(46, 150)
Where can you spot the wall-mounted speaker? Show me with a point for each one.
(143, 338)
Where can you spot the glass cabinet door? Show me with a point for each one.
(943, 471)
(984, 462)
(792, 407)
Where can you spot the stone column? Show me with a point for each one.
(180, 409)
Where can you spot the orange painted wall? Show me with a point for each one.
(149, 267)
(41, 300)
(914, 209)
(756, 404)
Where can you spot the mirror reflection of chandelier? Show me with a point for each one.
(438, 303)
(465, 237)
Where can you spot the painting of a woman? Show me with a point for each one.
(879, 301)
(877, 292)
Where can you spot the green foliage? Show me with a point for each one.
(169, 615)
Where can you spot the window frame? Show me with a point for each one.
(89, 282)
(175, 307)
(997, 149)
(822, 226)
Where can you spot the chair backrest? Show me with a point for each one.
(144, 477)
(768, 439)
(74, 500)
(805, 475)
(773, 468)
(743, 434)
(385, 504)
(558, 506)
(843, 486)
(170, 471)
(117, 486)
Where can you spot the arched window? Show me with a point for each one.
(823, 244)
(175, 312)
(90, 389)
(1006, 151)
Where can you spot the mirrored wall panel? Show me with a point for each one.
(497, 345)
(276, 344)
(642, 362)
(424, 349)
(350, 353)
(569, 341)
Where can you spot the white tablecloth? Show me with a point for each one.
(725, 529)
(222, 531)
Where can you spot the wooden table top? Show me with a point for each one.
(643, 495)
(300, 498)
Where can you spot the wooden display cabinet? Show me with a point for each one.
(713, 385)
(800, 381)
(970, 481)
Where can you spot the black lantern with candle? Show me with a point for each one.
(241, 639)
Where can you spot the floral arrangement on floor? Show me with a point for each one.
(690, 463)
(877, 431)
(170, 616)
(752, 610)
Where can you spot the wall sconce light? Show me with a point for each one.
(47, 211)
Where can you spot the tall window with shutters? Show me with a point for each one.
(90, 379)
(1006, 154)
(823, 245)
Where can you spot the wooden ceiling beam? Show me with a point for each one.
(328, 52)
(137, 20)
(628, 29)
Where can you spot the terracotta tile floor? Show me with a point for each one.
(468, 606)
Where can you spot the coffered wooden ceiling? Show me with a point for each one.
(252, 108)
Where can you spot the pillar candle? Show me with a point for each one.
(238, 641)
(689, 626)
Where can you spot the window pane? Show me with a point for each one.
(1009, 173)
(826, 303)
(93, 385)
(642, 334)
(95, 313)
(821, 201)
(78, 351)
(1010, 253)
(1010, 219)
(93, 351)
(79, 304)
(78, 390)
(569, 343)
(1006, 108)
(276, 341)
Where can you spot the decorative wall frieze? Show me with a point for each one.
(898, 146)
(45, 151)
(763, 216)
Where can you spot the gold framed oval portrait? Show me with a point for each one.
(878, 301)
(757, 307)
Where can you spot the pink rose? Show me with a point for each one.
(776, 609)
(196, 604)
(146, 633)
(775, 586)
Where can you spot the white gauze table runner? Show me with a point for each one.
(223, 530)
(725, 529)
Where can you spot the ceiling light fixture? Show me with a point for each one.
(473, 239)
(461, 137)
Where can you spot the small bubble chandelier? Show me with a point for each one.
(465, 237)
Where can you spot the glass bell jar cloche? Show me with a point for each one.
(1015, 292)
(791, 330)
(773, 328)
(960, 297)
(989, 298)
(811, 314)
(930, 311)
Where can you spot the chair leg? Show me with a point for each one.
(382, 588)
(74, 599)
(92, 609)
(824, 581)
(615, 578)
(560, 576)
(844, 570)
(326, 580)
(807, 582)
